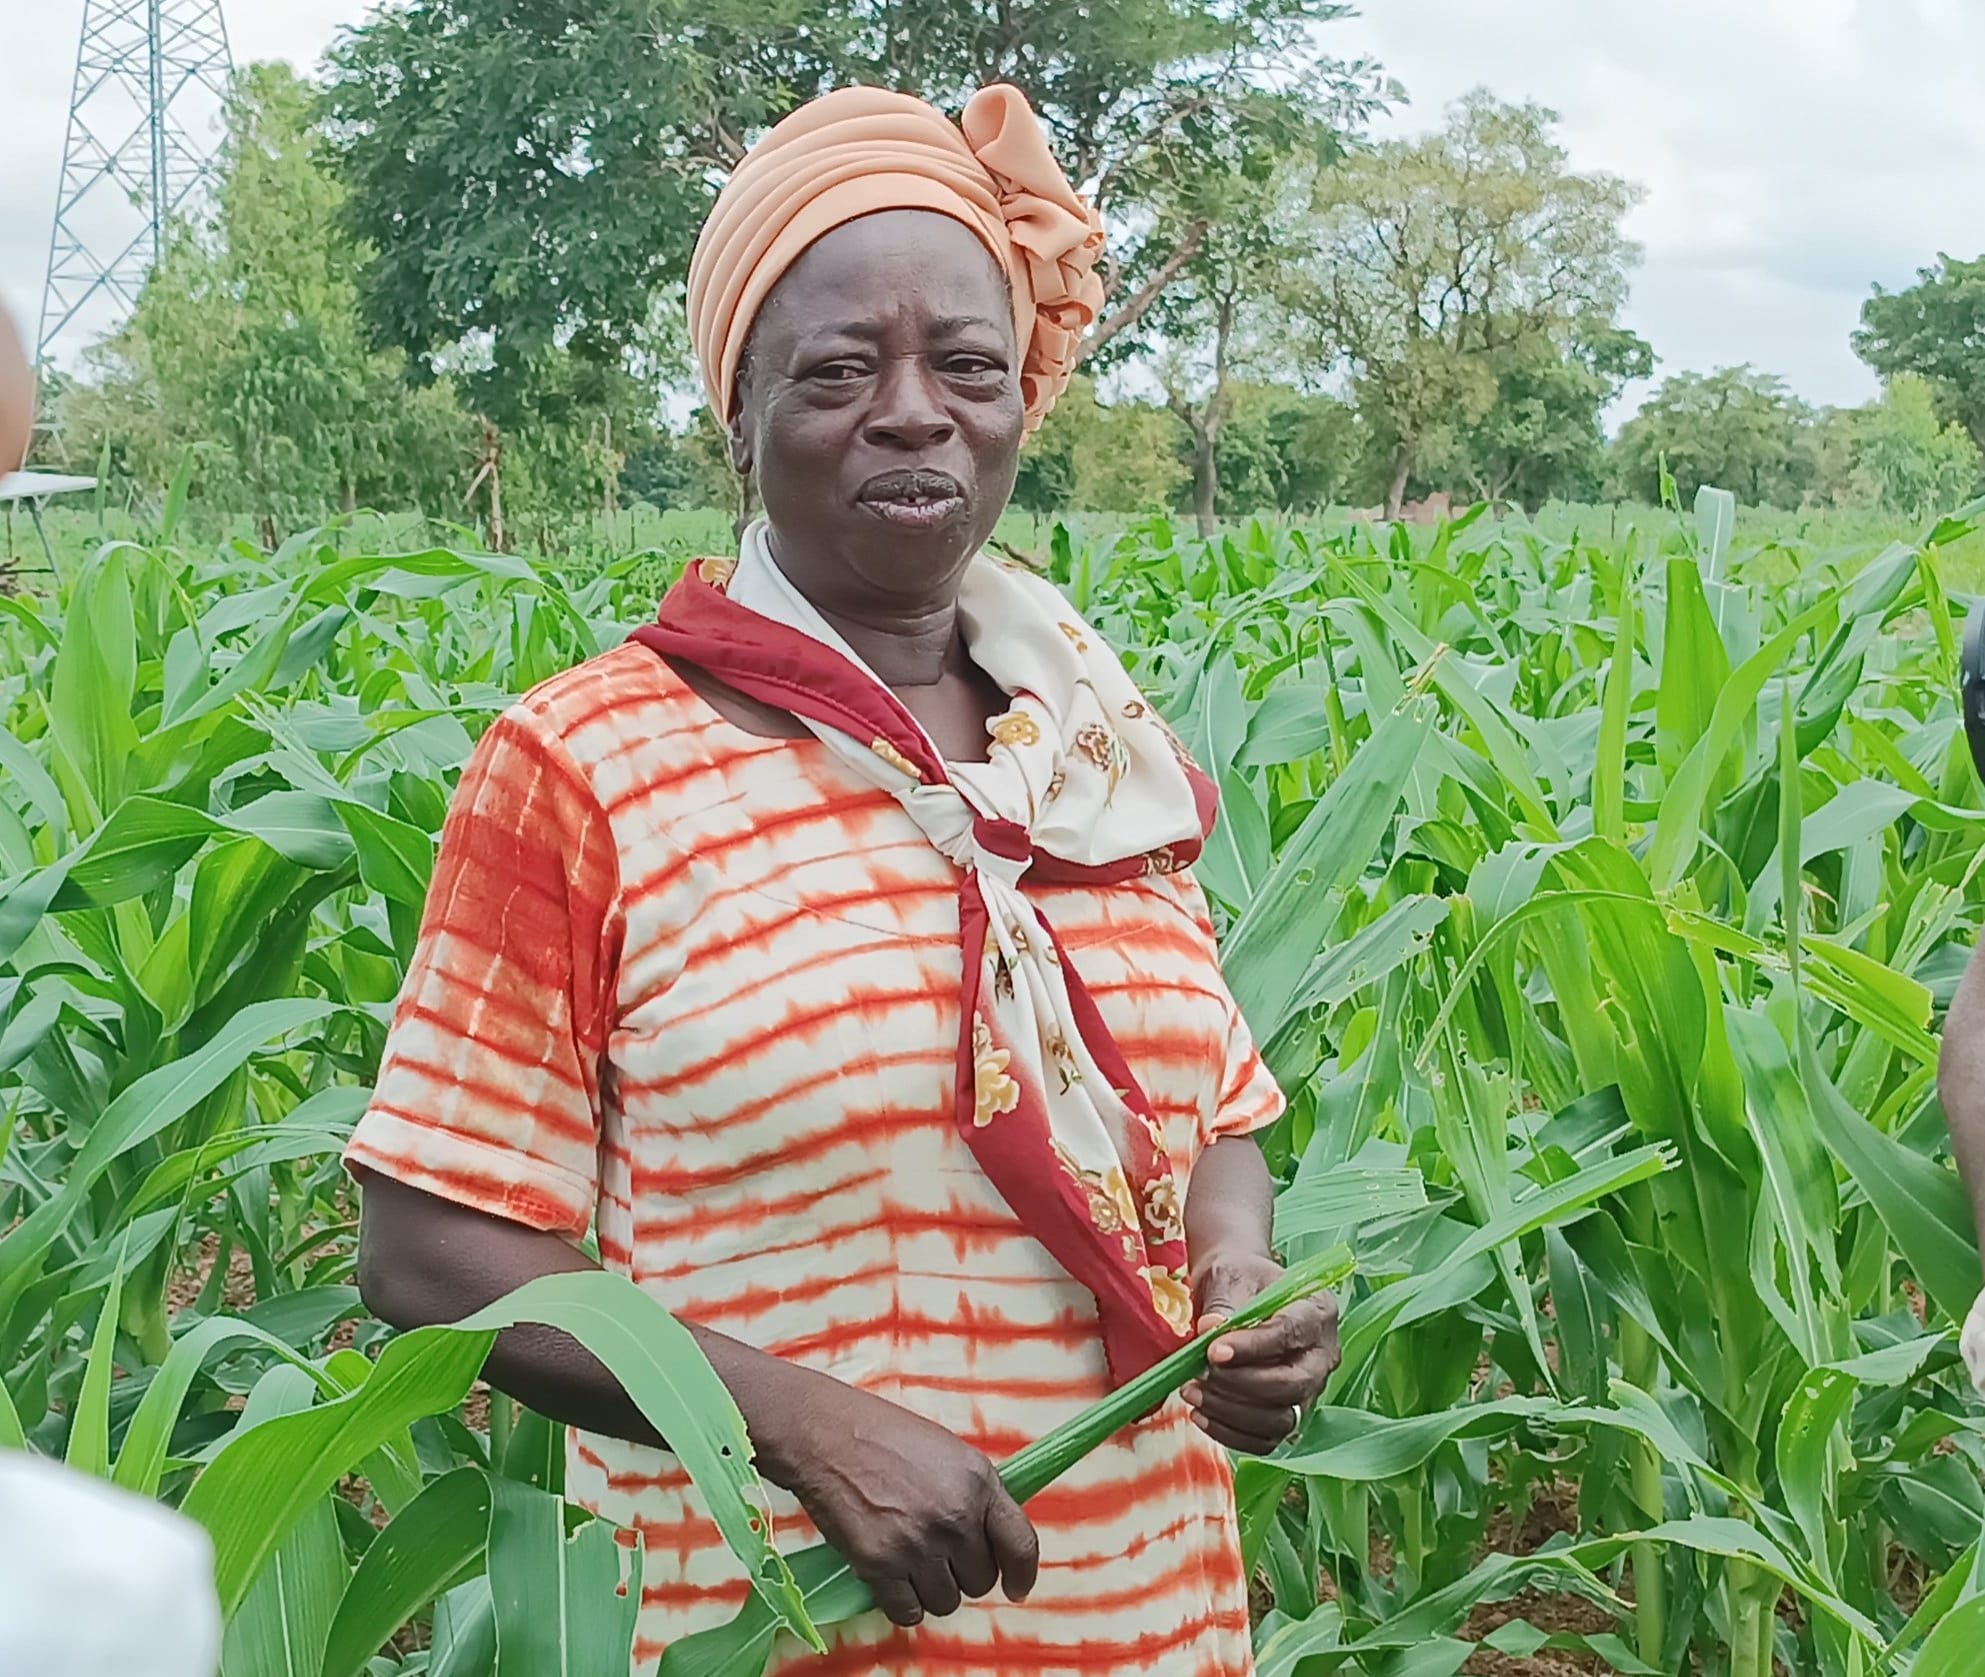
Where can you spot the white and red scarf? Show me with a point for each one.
(1085, 785)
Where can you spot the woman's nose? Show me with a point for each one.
(909, 410)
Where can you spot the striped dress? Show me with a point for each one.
(699, 990)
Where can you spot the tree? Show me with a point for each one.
(1214, 322)
(1542, 437)
(1094, 457)
(1291, 450)
(1735, 428)
(1904, 459)
(247, 337)
(1935, 330)
(557, 209)
(1432, 262)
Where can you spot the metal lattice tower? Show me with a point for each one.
(151, 76)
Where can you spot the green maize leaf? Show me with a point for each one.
(1922, 1205)
(1327, 1207)
(1357, 1445)
(1609, 768)
(176, 493)
(158, 1099)
(1371, 953)
(1716, 519)
(1490, 721)
(92, 687)
(1799, 1184)
(301, 827)
(1521, 1640)
(1955, 1587)
(657, 1362)
(1956, 1647)
(142, 1459)
(1678, 828)
(1269, 952)
(1734, 1540)
(280, 1627)
(43, 796)
(464, 1632)
(1291, 723)
(89, 1432)
(1419, 1296)
(318, 1126)
(1286, 1643)
(564, 1602)
(25, 902)
(394, 858)
(265, 1478)
(12, 1435)
(833, 1594)
(163, 1096)
(1694, 667)
(427, 1548)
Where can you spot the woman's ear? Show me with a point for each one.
(737, 442)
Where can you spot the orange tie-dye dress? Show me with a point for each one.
(699, 990)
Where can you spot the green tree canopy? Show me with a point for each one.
(1431, 260)
(1735, 428)
(1935, 330)
(247, 338)
(1542, 436)
(513, 212)
(1903, 457)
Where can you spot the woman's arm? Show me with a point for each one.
(423, 1260)
(1257, 1382)
(920, 1515)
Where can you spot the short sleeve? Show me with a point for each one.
(489, 1089)
(1250, 1099)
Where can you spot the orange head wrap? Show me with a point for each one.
(862, 150)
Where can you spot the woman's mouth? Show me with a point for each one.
(914, 500)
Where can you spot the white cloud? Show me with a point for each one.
(1794, 151)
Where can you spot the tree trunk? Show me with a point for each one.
(1402, 469)
(348, 500)
(1205, 480)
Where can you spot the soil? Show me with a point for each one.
(190, 1279)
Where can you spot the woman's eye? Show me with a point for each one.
(840, 372)
(974, 365)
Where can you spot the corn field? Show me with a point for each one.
(1595, 903)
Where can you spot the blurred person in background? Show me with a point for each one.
(830, 951)
(16, 398)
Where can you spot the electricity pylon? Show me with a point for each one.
(151, 76)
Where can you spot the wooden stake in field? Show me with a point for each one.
(490, 467)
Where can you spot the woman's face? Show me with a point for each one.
(879, 406)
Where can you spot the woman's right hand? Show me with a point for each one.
(920, 1515)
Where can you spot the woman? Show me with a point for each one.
(826, 948)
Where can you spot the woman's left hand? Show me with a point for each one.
(1258, 1381)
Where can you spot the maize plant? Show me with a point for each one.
(1594, 902)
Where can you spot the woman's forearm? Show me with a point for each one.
(1230, 1205)
(1961, 1083)
(425, 1260)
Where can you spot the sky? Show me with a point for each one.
(1794, 152)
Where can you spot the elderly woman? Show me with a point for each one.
(829, 949)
